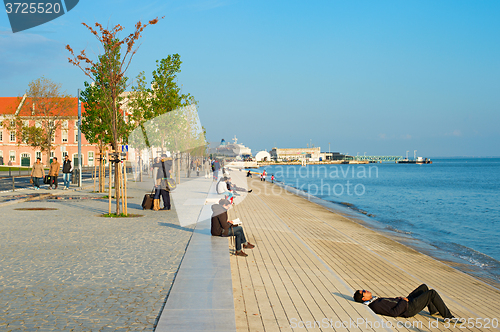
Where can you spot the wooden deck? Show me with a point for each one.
(308, 261)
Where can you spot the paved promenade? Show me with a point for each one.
(68, 269)
(308, 261)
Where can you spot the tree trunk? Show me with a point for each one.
(117, 189)
(102, 174)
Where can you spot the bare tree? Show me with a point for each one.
(48, 107)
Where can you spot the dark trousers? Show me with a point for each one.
(165, 195)
(53, 181)
(239, 236)
(166, 198)
(36, 182)
(424, 297)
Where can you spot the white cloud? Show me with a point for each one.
(456, 133)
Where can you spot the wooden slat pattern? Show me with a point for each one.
(309, 260)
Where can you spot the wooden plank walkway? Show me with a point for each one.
(308, 261)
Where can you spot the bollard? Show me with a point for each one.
(13, 184)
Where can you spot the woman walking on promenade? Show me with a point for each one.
(208, 167)
(37, 172)
(54, 173)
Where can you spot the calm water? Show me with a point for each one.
(451, 206)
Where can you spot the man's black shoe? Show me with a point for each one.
(165, 209)
(250, 190)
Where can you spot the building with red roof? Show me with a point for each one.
(65, 142)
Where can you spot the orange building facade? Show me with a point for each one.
(65, 142)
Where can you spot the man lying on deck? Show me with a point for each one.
(223, 227)
(405, 306)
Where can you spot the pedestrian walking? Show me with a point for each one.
(216, 168)
(67, 169)
(207, 168)
(37, 173)
(54, 172)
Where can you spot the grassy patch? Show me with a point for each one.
(14, 169)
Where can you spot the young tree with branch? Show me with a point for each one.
(148, 104)
(110, 68)
(94, 126)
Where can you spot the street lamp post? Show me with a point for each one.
(79, 140)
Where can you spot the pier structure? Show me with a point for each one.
(378, 158)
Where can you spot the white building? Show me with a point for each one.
(263, 156)
(307, 154)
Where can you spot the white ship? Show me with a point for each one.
(233, 150)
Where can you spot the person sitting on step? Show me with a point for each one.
(233, 187)
(223, 227)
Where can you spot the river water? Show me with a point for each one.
(449, 209)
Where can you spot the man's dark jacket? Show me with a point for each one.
(67, 166)
(220, 226)
(387, 306)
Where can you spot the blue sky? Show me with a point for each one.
(380, 77)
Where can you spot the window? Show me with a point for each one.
(1, 134)
(13, 136)
(64, 154)
(65, 124)
(38, 154)
(52, 155)
(25, 159)
(26, 123)
(12, 124)
(64, 134)
(76, 131)
(91, 158)
(12, 156)
(38, 124)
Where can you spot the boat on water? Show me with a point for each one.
(419, 161)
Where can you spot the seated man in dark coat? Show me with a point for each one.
(223, 227)
(233, 187)
(405, 306)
